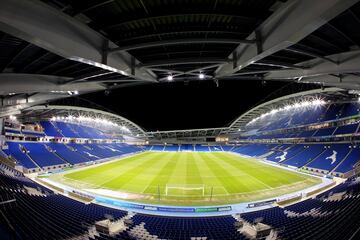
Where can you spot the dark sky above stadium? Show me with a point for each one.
(179, 105)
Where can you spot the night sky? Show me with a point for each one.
(179, 105)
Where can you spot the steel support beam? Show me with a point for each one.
(345, 82)
(306, 53)
(30, 83)
(348, 62)
(191, 72)
(183, 62)
(48, 28)
(292, 22)
(179, 42)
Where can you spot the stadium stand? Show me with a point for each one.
(322, 158)
(67, 153)
(58, 217)
(310, 153)
(171, 148)
(125, 148)
(311, 139)
(12, 131)
(215, 148)
(41, 155)
(227, 148)
(33, 155)
(315, 157)
(187, 147)
(330, 158)
(347, 129)
(319, 218)
(253, 150)
(325, 132)
(85, 151)
(50, 129)
(201, 148)
(330, 113)
(70, 130)
(157, 148)
(57, 56)
(16, 151)
(349, 163)
(32, 133)
(66, 130)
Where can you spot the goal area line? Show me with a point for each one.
(185, 188)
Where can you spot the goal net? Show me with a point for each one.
(181, 190)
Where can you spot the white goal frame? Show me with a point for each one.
(185, 187)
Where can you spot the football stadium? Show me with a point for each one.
(180, 119)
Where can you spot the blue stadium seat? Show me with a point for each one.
(325, 132)
(309, 154)
(21, 157)
(187, 147)
(350, 109)
(171, 148)
(158, 148)
(41, 155)
(50, 129)
(53, 216)
(349, 163)
(66, 130)
(347, 129)
(287, 152)
(201, 148)
(86, 151)
(67, 154)
(331, 157)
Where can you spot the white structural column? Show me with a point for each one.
(53, 30)
(289, 24)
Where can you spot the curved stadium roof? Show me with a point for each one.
(99, 45)
(42, 112)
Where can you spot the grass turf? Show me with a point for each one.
(227, 178)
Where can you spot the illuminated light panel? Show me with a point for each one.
(91, 120)
(297, 105)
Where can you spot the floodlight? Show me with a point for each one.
(297, 105)
(274, 111)
(170, 78)
(287, 107)
(201, 76)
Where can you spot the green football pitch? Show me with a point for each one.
(187, 178)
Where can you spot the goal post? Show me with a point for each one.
(186, 190)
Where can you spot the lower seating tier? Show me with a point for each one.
(34, 155)
(46, 215)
